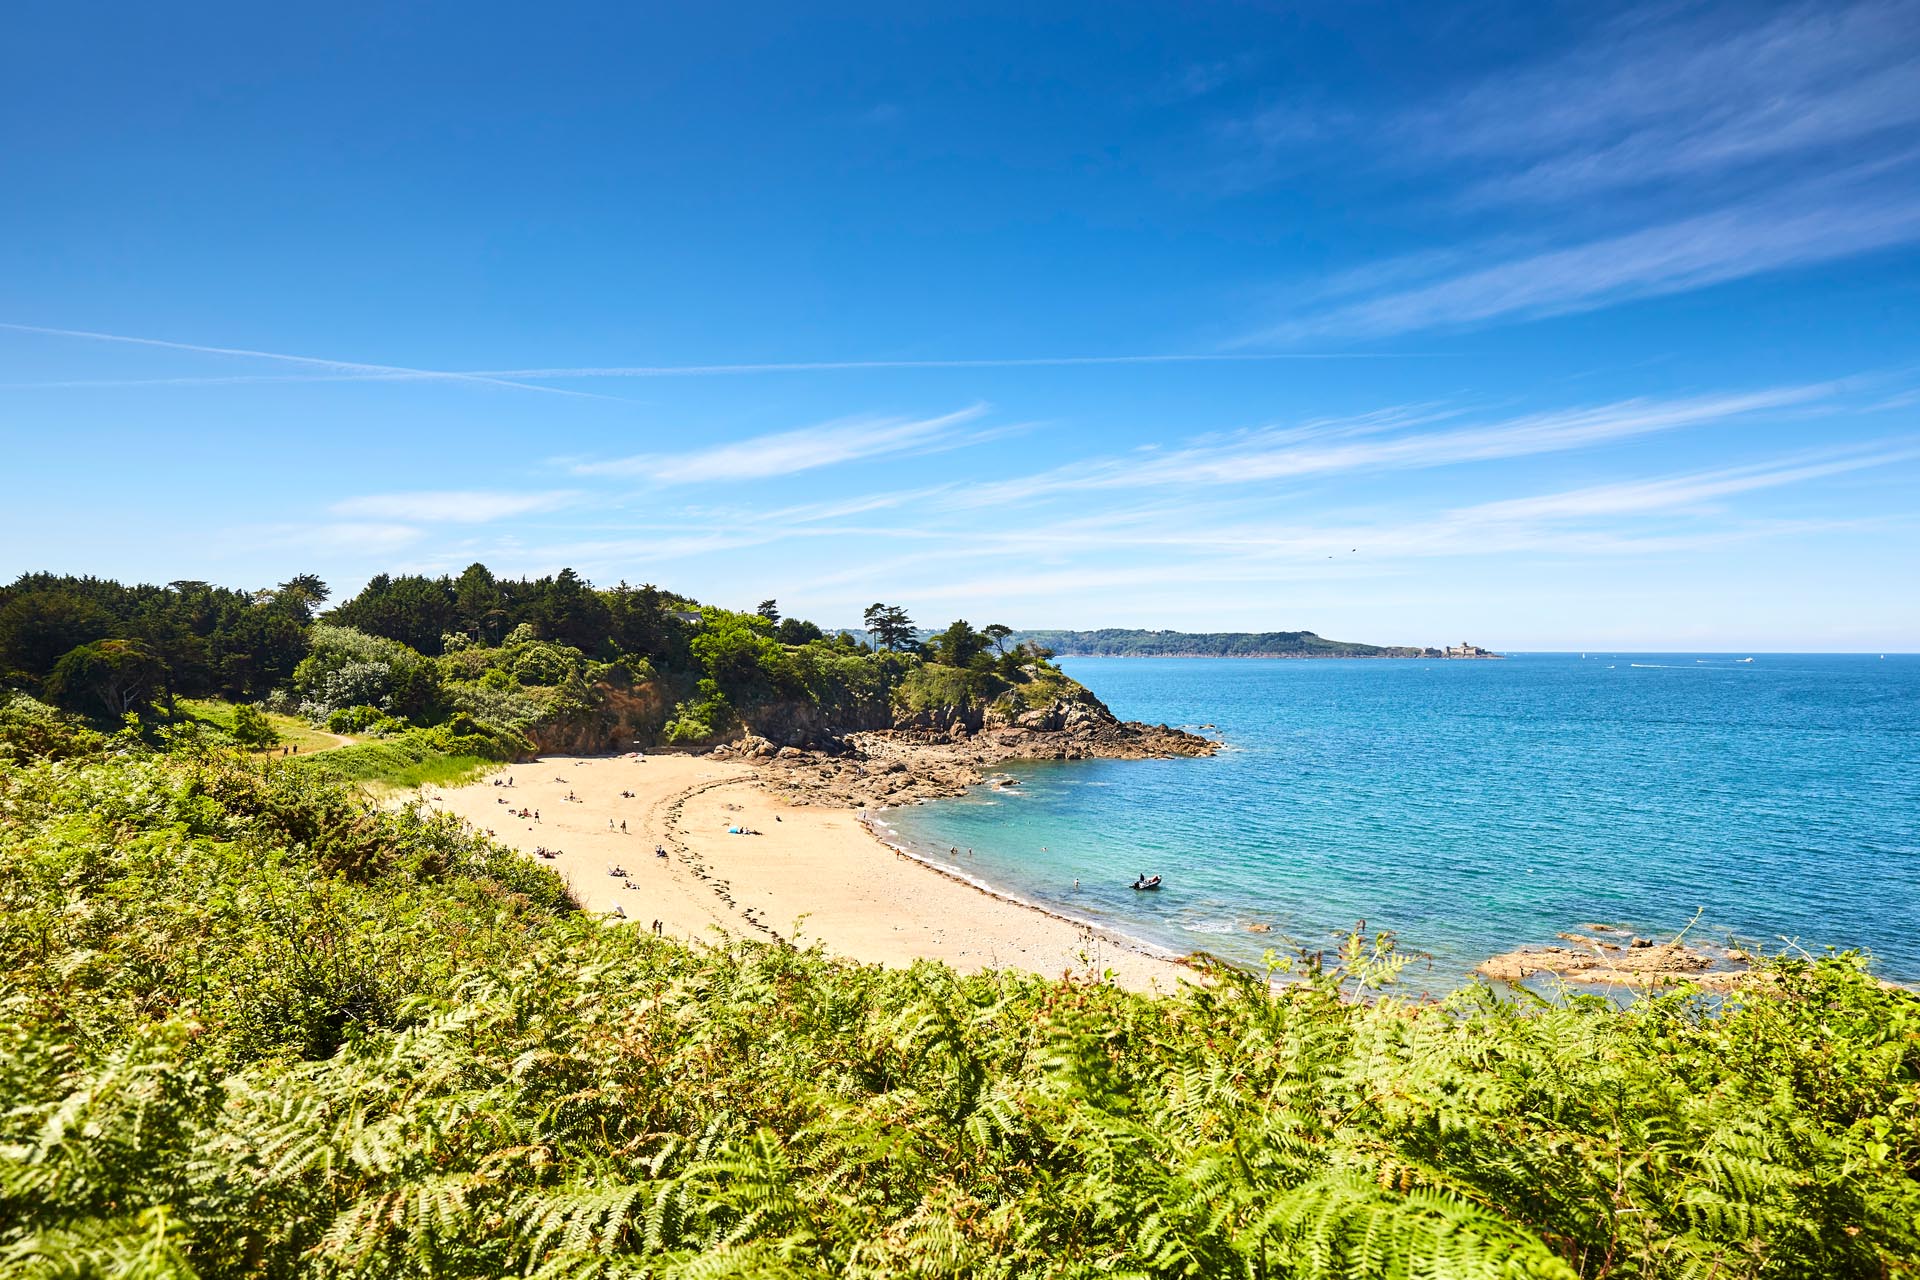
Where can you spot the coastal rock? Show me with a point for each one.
(943, 749)
(895, 767)
(1642, 962)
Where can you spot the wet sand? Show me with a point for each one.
(807, 874)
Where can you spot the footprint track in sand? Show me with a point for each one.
(670, 812)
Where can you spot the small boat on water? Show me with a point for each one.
(1150, 882)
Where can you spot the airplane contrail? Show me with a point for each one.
(531, 379)
(339, 370)
(1008, 362)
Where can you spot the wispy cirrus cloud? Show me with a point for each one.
(446, 506)
(789, 452)
(1675, 257)
(1666, 493)
(1712, 144)
(1399, 440)
(1660, 94)
(1156, 543)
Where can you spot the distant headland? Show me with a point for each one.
(1121, 642)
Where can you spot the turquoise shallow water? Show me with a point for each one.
(1474, 806)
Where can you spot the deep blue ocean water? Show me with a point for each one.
(1474, 806)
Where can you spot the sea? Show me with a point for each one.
(1469, 807)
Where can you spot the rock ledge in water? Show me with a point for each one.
(1639, 962)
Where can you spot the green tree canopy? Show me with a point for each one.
(118, 677)
(889, 625)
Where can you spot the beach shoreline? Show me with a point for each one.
(749, 860)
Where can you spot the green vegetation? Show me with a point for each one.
(287, 731)
(441, 675)
(32, 730)
(1121, 643)
(255, 1028)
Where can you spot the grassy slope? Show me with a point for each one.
(253, 1028)
(401, 762)
(386, 764)
(293, 731)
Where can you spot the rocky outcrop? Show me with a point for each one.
(1625, 961)
(929, 756)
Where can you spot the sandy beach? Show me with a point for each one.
(801, 873)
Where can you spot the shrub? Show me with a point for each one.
(349, 668)
(366, 721)
(251, 728)
(544, 663)
(739, 653)
(30, 730)
(931, 687)
(700, 719)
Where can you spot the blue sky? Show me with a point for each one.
(1546, 326)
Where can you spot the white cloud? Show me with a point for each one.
(452, 506)
(1651, 98)
(788, 452)
(1675, 257)
(1716, 142)
(1360, 445)
(1670, 492)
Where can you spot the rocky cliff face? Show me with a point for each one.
(620, 718)
(811, 725)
